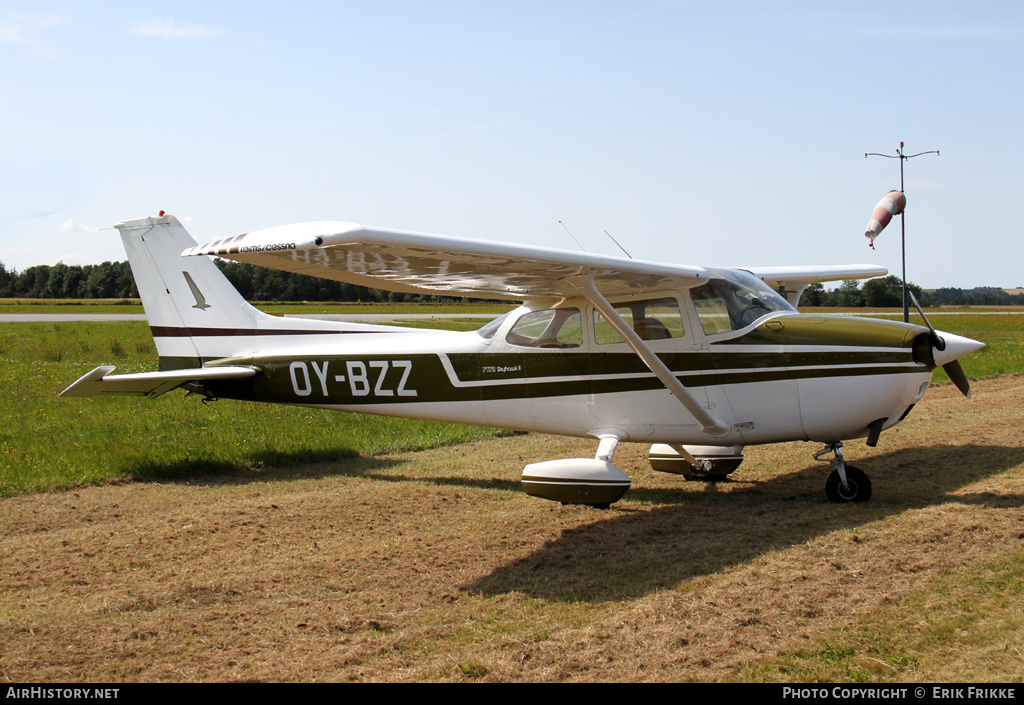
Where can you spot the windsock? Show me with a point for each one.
(892, 204)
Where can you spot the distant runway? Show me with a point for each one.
(68, 317)
(350, 317)
(380, 317)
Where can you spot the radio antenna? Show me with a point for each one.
(572, 236)
(617, 243)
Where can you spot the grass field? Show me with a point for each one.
(47, 441)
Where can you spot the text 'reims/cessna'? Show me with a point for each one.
(697, 361)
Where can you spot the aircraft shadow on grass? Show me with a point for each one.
(262, 467)
(282, 467)
(701, 531)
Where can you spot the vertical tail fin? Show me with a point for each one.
(194, 312)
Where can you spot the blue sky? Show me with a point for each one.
(705, 133)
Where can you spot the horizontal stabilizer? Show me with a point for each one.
(100, 382)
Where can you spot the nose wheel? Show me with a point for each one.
(846, 483)
(857, 488)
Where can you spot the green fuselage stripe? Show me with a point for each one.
(430, 378)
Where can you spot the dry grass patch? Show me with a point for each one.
(435, 566)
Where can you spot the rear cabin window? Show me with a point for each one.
(550, 328)
(488, 331)
(651, 319)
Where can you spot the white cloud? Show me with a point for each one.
(73, 226)
(72, 258)
(169, 29)
(23, 258)
(17, 30)
(21, 254)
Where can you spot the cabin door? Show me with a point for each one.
(627, 395)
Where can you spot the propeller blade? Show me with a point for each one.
(958, 346)
(957, 376)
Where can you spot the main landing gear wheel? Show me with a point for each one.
(858, 486)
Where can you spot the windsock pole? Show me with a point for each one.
(903, 218)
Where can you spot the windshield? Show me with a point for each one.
(735, 299)
(488, 331)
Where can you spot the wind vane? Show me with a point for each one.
(903, 218)
(891, 204)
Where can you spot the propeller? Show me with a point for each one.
(950, 348)
(957, 376)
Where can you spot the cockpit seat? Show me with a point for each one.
(651, 329)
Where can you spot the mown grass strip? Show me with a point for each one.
(47, 441)
(969, 621)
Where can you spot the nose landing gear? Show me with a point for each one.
(846, 483)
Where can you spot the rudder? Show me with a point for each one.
(194, 312)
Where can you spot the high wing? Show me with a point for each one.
(418, 263)
(791, 281)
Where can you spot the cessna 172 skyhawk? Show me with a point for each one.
(698, 361)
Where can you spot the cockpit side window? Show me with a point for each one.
(734, 299)
(651, 319)
(712, 309)
(550, 328)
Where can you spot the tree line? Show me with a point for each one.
(887, 292)
(110, 280)
(113, 280)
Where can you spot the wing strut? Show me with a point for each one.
(709, 424)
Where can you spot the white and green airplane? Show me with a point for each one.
(697, 361)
